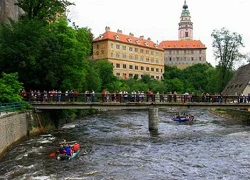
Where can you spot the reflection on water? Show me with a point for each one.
(120, 146)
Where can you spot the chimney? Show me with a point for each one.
(107, 28)
(141, 37)
(131, 34)
(119, 31)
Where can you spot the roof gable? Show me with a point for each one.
(129, 39)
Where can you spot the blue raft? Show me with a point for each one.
(179, 118)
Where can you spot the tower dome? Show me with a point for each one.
(185, 6)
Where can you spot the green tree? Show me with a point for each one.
(105, 70)
(46, 56)
(227, 49)
(45, 10)
(10, 88)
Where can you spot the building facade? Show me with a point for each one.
(185, 51)
(130, 56)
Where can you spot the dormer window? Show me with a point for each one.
(137, 41)
(130, 40)
(117, 37)
(100, 36)
(155, 45)
(146, 43)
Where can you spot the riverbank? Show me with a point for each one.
(234, 116)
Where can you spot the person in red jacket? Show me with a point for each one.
(76, 147)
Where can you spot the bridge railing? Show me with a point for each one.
(130, 97)
(11, 107)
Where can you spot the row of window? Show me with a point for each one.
(181, 59)
(134, 49)
(135, 67)
(130, 75)
(136, 57)
(184, 52)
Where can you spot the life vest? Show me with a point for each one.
(76, 147)
(61, 151)
(68, 151)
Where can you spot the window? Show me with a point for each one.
(157, 61)
(200, 58)
(124, 66)
(157, 69)
(130, 75)
(130, 48)
(136, 67)
(131, 57)
(97, 46)
(136, 57)
(130, 66)
(152, 60)
(117, 65)
(111, 54)
(147, 68)
(192, 58)
(111, 45)
(136, 49)
(186, 34)
(124, 48)
(142, 68)
(102, 51)
(147, 51)
(170, 59)
(118, 74)
(156, 53)
(152, 52)
(142, 58)
(117, 46)
(141, 51)
(152, 69)
(97, 52)
(147, 59)
(124, 56)
(117, 55)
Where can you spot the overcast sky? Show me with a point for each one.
(158, 19)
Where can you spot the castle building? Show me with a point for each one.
(185, 51)
(130, 56)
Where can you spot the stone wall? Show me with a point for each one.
(8, 9)
(13, 127)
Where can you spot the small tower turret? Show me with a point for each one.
(185, 24)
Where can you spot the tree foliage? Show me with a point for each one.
(45, 10)
(46, 56)
(227, 49)
(10, 88)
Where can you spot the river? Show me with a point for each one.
(120, 147)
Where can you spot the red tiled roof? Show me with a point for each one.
(119, 37)
(179, 44)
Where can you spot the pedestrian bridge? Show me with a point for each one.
(134, 105)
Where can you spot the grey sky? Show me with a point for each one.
(159, 19)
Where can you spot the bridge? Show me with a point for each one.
(134, 105)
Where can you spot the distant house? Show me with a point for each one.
(240, 83)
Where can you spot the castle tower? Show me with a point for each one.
(185, 24)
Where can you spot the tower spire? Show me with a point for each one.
(185, 24)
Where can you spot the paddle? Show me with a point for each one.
(52, 155)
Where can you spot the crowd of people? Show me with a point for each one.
(125, 96)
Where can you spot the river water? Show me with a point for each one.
(120, 147)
